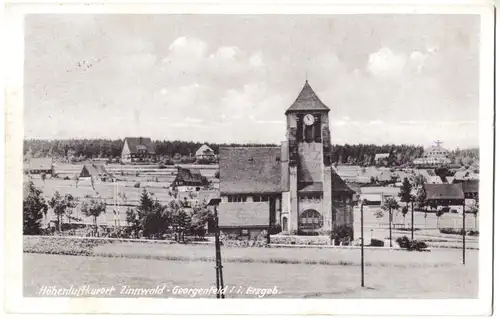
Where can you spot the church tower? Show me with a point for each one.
(309, 164)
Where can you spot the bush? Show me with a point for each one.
(411, 245)
(66, 178)
(137, 185)
(275, 229)
(377, 243)
(217, 174)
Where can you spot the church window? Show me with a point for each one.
(311, 219)
(236, 199)
(260, 198)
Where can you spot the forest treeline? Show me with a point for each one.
(356, 154)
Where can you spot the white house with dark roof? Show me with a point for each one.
(138, 149)
(296, 181)
(205, 153)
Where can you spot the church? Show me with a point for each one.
(293, 186)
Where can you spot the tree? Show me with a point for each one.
(405, 192)
(419, 181)
(155, 222)
(93, 207)
(473, 208)
(390, 204)
(145, 204)
(70, 203)
(34, 209)
(421, 198)
(201, 215)
(439, 213)
(404, 211)
(58, 205)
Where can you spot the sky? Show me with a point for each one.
(408, 79)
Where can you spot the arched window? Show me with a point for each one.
(310, 219)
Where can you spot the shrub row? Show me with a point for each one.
(458, 231)
(411, 245)
(69, 245)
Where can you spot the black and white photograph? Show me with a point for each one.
(200, 156)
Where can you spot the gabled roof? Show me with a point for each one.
(444, 191)
(204, 150)
(434, 180)
(136, 144)
(40, 163)
(250, 170)
(191, 175)
(307, 101)
(93, 170)
(470, 186)
(462, 174)
(244, 214)
(450, 179)
(339, 186)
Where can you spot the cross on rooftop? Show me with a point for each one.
(438, 143)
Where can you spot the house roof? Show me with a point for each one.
(136, 144)
(381, 156)
(244, 214)
(94, 170)
(434, 180)
(204, 150)
(450, 179)
(470, 186)
(385, 176)
(40, 163)
(310, 187)
(461, 174)
(444, 191)
(191, 175)
(434, 149)
(338, 184)
(307, 101)
(250, 170)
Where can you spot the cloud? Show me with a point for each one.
(385, 62)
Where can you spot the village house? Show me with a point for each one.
(445, 195)
(205, 153)
(97, 172)
(189, 179)
(381, 158)
(471, 189)
(138, 149)
(293, 185)
(41, 165)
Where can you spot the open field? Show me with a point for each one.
(402, 275)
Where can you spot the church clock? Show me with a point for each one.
(309, 119)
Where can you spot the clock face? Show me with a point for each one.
(308, 119)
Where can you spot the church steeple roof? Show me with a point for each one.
(307, 101)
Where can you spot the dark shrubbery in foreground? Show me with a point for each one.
(377, 243)
(411, 245)
(459, 231)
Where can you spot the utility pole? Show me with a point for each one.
(412, 220)
(463, 231)
(218, 259)
(362, 248)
